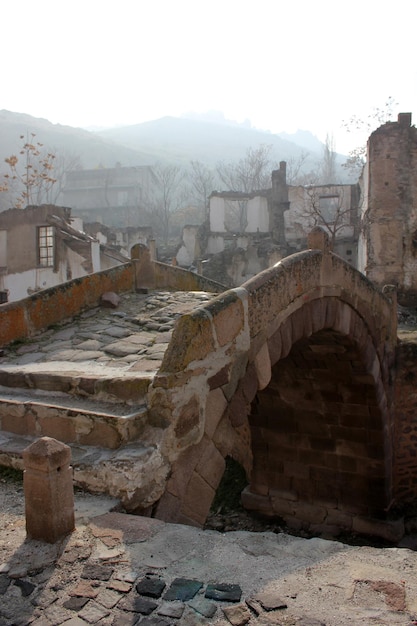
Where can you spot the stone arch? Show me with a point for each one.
(320, 430)
(226, 352)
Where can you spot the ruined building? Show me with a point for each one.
(388, 238)
(249, 232)
(114, 196)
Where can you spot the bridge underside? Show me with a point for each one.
(319, 454)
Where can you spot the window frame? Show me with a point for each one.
(46, 246)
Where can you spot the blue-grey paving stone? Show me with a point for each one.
(26, 587)
(224, 591)
(171, 609)
(203, 606)
(183, 589)
(92, 571)
(4, 583)
(76, 603)
(137, 605)
(151, 586)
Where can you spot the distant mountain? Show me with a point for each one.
(92, 149)
(305, 139)
(209, 139)
(185, 139)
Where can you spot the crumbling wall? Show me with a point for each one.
(390, 222)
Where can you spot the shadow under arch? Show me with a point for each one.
(321, 430)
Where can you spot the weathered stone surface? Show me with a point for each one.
(110, 300)
(75, 603)
(93, 571)
(227, 592)
(263, 367)
(203, 606)
(84, 589)
(183, 589)
(151, 586)
(215, 406)
(172, 608)
(49, 498)
(270, 601)
(136, 604)
(92, 612)
(237, 615)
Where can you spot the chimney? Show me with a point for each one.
(404, 120)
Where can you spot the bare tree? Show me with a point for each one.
(30, 176)
(236, 214)
(328, 167)
(202, 181)
(378, 115)
(325, 206)
(168, 196)
(64, 162)
(295, 169)
(252, 172)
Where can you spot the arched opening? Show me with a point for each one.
(318, 437)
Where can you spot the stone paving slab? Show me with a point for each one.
(96, 575)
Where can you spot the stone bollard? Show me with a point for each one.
(318, 239)
(49, 495)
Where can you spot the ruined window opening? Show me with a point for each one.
(329, 206)
(46, 246)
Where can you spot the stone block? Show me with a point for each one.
(262, 364)
(168, 508)
(216, 405)
(211, 465)
(311, 513)
(59, 427)
(342, 519)
(19, 425)
(282, 507)
(110, 300)
(192, 340)
(198, 499)
(103, 434)
(238, 409)
(392, 531)
(49, 498)
(256, 502)
(220, 378)
(275, 347)
(228, 317)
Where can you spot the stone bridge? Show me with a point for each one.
(290, 375)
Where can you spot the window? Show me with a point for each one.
(329, 207)
(46, 247)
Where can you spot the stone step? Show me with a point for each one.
(104, 383)
(70, 419)
(137, 466)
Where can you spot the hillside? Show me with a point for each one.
(166, 140)
(92, 149)
(181, 140)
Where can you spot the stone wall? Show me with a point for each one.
(390, 221)
(25, 317)
(406, 419)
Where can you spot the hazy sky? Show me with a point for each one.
(283, 64)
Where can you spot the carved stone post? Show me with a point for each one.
(49, 495)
